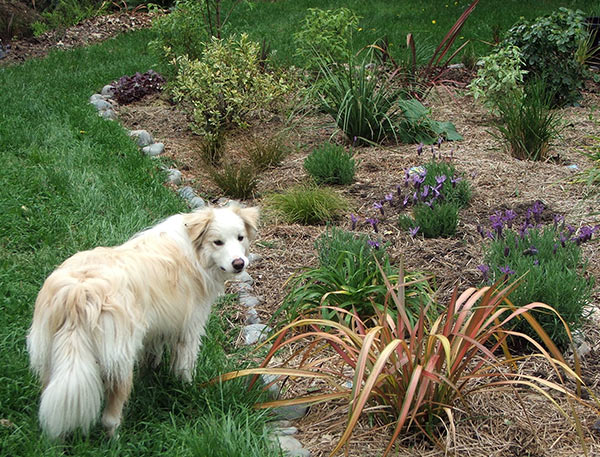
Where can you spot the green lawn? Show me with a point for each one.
(428, 21)
(72, 181)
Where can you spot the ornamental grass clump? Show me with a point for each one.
(548, 256)
(416, 374)
(349, 276)
(330, 164)
(236, 180)
(307, 204)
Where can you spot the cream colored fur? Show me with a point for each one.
(103, 310)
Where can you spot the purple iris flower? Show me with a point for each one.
(413, 231)
(373, 223)
(506, 270)
(353, 220)
(485, 271)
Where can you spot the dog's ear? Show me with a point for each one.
(250, 216)
(196, 225)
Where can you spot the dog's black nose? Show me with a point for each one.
(238, 264)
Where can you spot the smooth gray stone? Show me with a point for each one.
(154, 149)
(248, 299)
(291, 412)
(255, 333)
(252, 317)
(197, 202)
(292, 447)
(253, 258)
(108, 90)
(142, 137)
(108, 114)
(101, 105)
(244, 276)
(187, 193)
(96, 97)
(174, 176)
(285, 431)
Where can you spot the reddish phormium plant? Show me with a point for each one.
(418, 371)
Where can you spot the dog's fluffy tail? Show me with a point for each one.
(62, 349)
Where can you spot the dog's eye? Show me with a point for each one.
(240, 238)
(218, 242)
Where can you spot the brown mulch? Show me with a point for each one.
(497, 424)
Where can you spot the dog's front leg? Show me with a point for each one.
(188, 344)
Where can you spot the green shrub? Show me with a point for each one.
(330, 164)
(454, 187)
(326, 33)
(66, 13)
(268, 152)
(438, 220)
(225, 85)
(182, 32)
(500, 77)
(526, 123)
(236, 180)
(550, 256)
(549, 46)
(369, 109)
(348, 277)
(308, 205)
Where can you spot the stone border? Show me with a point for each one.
(254, 331)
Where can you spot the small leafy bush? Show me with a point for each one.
(500, 77)
(129, 89)
(237, 181)
(66, 13)
(349, 277)
(549, 47)
(225, 85)
(550, 258)
(330, 164)
(326, 33)
(526, 123)
(418, 373)
(308, 205)
(267, 153)
(182, 32)
(438, 220)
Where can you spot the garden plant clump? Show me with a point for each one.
(129, 89)
(548, 257)
(330, 164)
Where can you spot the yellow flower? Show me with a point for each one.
(434, 21)
(360, 29)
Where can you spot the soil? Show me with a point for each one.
(496, 425)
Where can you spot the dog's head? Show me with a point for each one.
(222, 236)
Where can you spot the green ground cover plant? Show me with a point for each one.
(72, 181)
(349, 276)
(549, 258)
(330, 164)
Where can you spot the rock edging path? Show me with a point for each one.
(254, 331)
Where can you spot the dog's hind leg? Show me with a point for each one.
(116, 395)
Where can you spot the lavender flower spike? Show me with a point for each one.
(413, 231)
(485, 270)
(506, 270)
(379, 206)
(353, 220)
(420, 149)
(373, 223)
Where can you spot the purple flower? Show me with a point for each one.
(439, 142)
(585, 234)
(497, 223)
(509, 217)
(480, 231)
(353, 220)
(506, 270)
(354, 140)
(531, 250)
(413, 231)
(455, 180)
(506, 251)
(563, 239)
(420, 149)
(379, 206)
(536, 262)
(485, 270)
(440, 179)
(406, 177)
(374, 244)
(373, 223)
(425, 191)
(405, 201)
(524, 229)
(558, 219)
(398, 188)
(389, 197)
(570, 229)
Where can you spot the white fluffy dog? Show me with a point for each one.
(104, 309)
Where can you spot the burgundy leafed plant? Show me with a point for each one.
(129, 89)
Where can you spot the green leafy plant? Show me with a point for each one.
(308, 204)
(349, 277)
(330, 164)
(326, 33)
(500, 76)
(370, 110)
(549, 47)
(549, 258)
(417, 372)
(526, 123)
(226, 85)
(65, 13)
(439, 220)
(267, 152)
(236, 180)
